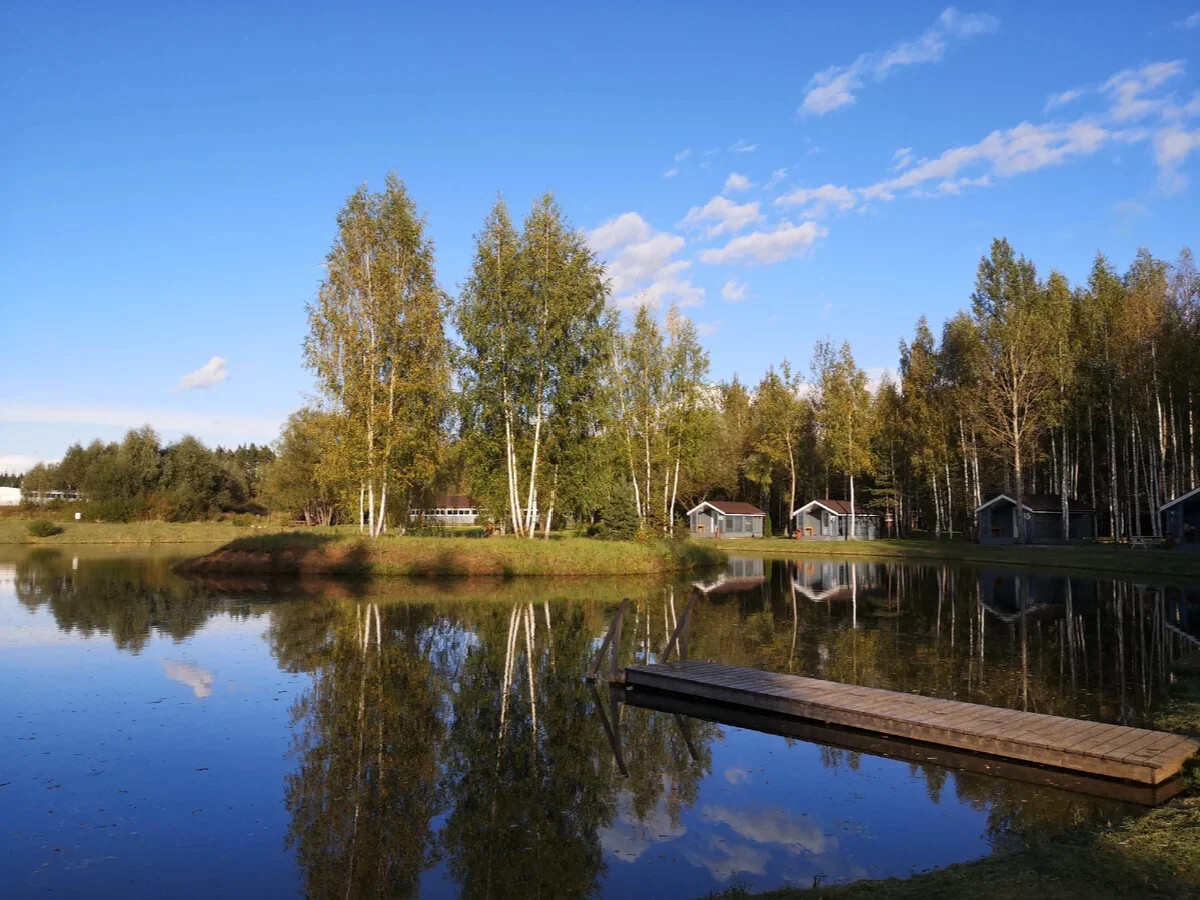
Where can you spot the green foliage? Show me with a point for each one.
(44, 528)
(619, 519)
(113, 509)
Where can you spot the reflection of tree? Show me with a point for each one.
(528, 799)
(367, 737)
(127, 599)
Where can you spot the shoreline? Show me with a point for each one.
(1090, 558)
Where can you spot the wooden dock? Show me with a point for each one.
(1092, 748)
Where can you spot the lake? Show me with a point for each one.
(403, 738)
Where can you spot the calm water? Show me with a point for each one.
(254, 739)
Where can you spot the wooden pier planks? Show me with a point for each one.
(1112, 751)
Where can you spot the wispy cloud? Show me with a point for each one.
(902, 159)
(670, 173)
(726, 216)
(736, 182)
(837, 86)
(683, 154)
(211, 373)
(787, 241)
(734, 291)
(1062, 98)
(212, 427)
(818, 200)
(741, 145)
(706, 329)
(1192, 21)
(776, 177)
(642, 267)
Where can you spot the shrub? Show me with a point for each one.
(241, 520)
(115, 509)
(44, 528)
(618, 518)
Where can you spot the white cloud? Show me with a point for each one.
(765, 247)
(736, 182)
(1062, 98)
(724, 860)
(734, 775)
(212, 372)
(1171, 147)
(902, 159)
(642, 269)
(17, 463)
(772, 825)
(683, 154)
(1126, 90)
(1192, 21)
(835, 87)
(729, 217)
(198, 679)
(670, 173)
(734, 291)
(819, 199)
(741, 145)
(1024, 148)
(704, 329)
(624, 229)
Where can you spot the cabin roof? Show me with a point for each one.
(1182, 497)
(729, 508)
(837, 507)
(1042, 503)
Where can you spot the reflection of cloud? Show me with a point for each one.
(725, 860)
(198, 679)
(627, 839)
(734, 775)
(771, 825)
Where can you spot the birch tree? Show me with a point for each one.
(843, 408)
(377, 346)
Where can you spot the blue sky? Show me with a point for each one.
(169, 177)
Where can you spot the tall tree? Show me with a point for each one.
(1017, 381)
(844, 415)
(377, 344)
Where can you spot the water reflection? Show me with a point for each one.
(444, 742)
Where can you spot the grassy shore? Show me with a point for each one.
(1093, 558)
(16, 531)
(318, 553)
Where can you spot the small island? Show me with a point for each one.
(318, 553)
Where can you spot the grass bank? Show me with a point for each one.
(314, 553)
(16, 531)
(1088, 557)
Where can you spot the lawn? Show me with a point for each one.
(1093, 558)
(16, 531)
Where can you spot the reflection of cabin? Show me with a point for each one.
(1009, 595)
(741, 574)
(450, 509)
(997, 519)
(1181, 520)
(829, 520)
(831, 580)
(726, 519)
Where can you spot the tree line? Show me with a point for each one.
(530, 391)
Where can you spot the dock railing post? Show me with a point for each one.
(680, 629)
(613, 637)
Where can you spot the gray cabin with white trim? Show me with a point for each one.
(726, 519)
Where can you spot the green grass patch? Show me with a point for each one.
(16, 531)
(323, 552)
(1089, 557)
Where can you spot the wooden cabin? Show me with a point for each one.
(1181, 520)
(829, 520)
(726, 519)
(997, 520)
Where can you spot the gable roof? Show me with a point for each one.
(1041, 503)
(730, 508)
(837, 507)
(1188, 496)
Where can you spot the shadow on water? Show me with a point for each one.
(444, 741)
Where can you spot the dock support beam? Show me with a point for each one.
(613, 638)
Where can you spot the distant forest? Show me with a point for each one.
(530, 391)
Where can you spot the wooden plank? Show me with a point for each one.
(1093, 747)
